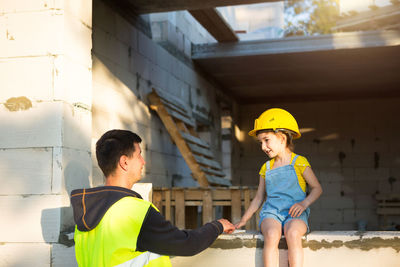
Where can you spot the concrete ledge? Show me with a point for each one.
(333, 248)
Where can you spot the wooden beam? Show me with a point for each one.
(178, 139)
(152, 6)
(215, 24)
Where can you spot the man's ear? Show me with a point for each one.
(123, 162)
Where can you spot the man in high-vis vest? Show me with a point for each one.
(116, 227)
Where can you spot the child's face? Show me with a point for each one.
(272, 144)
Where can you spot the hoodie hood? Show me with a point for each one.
(90, 204)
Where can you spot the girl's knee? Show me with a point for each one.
(272, 234)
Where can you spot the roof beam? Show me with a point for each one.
(153, 6)
(296, 44)
(215, 24)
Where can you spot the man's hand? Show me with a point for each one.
(228, 227)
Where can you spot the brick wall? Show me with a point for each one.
(127, 64)
(353, 149)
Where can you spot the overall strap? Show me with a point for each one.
(268, 165)
(294, 160)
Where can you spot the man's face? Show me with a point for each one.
(136, 163)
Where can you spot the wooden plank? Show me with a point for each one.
(212, 171)
(246, 196)
(236, 205)
(180, 117)
(218, 181)
(180, 209)
(207, 206)
(215, 24)
(157, 200)
(208, 162)
(194, 140)
(173, 101)
(222, 203)
(168, 205)
(174, 132)
(389, 204)
(175, 107)
(201, 151)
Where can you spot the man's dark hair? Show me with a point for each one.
(112, 145)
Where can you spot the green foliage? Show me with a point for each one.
(310, 17)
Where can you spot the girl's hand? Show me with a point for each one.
(297, 209)
(239, 224)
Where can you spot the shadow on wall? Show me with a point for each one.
(58, 223)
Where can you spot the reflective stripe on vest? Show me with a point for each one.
(147, 259)
(113, 241)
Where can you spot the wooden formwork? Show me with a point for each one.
(179, 205)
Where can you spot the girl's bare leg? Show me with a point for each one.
(272, 232)
(294, 231)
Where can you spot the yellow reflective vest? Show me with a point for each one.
(113, 241)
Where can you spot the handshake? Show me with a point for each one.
(229, 228)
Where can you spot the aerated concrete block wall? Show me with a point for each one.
(127, 64)
(353, 148)
(45, 129)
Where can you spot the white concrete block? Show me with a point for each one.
(123, 30)
(30, 218)
(39, 126)
(336, 202)
(77, 40)
(80, 9)
(28, 6)
(25, 171)
(145, 190)
(77, 127)
(72, 82)
(147, 47)
(63, 256)
(25, 254)
(30, 77)
(24, 38)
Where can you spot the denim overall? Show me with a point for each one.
(283, 190)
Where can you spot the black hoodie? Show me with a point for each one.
(156, 235)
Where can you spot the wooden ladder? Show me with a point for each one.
(177, 118)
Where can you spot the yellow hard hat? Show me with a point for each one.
(276, 118)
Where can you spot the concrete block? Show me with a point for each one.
(38, 126)
(331, 202)
(123, 30)
(77, 127)
(30, 218)
(28, 6)
(332, 188)
(24, 39)
(77, 40)
(107, 45)
(26, 171)
(72, 82)
(37, 81)
(103, 17)
(338, 226)
(25, 254)
(332, 215)
(146, 47)
(366, 188)
(63, 256)
(164, 59)
(365, 202)
(140, 65)
(81, 10)
(187, 47)
(144, 189)
(371, 174)
(158, 76)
